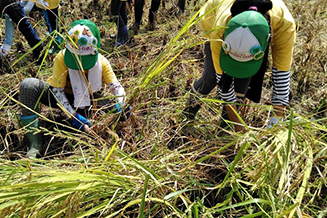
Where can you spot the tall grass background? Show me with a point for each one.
(145, 166)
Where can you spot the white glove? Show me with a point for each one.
(4, 49)
(43, 3)
(28, 7)
(273, 121)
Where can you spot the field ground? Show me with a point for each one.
(145, 166)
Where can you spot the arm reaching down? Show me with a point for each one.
(117, 90)
(79, 121)
(61, 97)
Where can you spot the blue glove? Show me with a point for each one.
(118, 107)
(79, 122)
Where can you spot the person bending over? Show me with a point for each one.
(237, 56)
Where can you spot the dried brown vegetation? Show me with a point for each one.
(280, 172)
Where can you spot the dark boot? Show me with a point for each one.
(37, 54)
(122, 35)
(224, 116)
(56, 45)
(181, 7)
(192, 107)
(152, 18)
(136, 28)
(32, 123)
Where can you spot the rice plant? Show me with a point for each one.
(145, 166)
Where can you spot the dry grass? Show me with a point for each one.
(146, 164)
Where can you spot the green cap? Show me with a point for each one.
(245, 43)
(82, 47)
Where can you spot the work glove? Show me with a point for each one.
(125, 114)
(43, 3)
(118, 107)
(79, 122)
(273, 121)
(4, 49)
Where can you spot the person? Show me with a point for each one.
(181, 7)
(79, 72)
(50, 9)
(138, 13)
(10, 28)
(237, 56)
(15, 10)
(155, 4)
(119, 14)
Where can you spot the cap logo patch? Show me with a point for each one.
(84, 43)
(244, 48)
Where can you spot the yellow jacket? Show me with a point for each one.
(60, 76)
(282, 24)
(46, 4)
